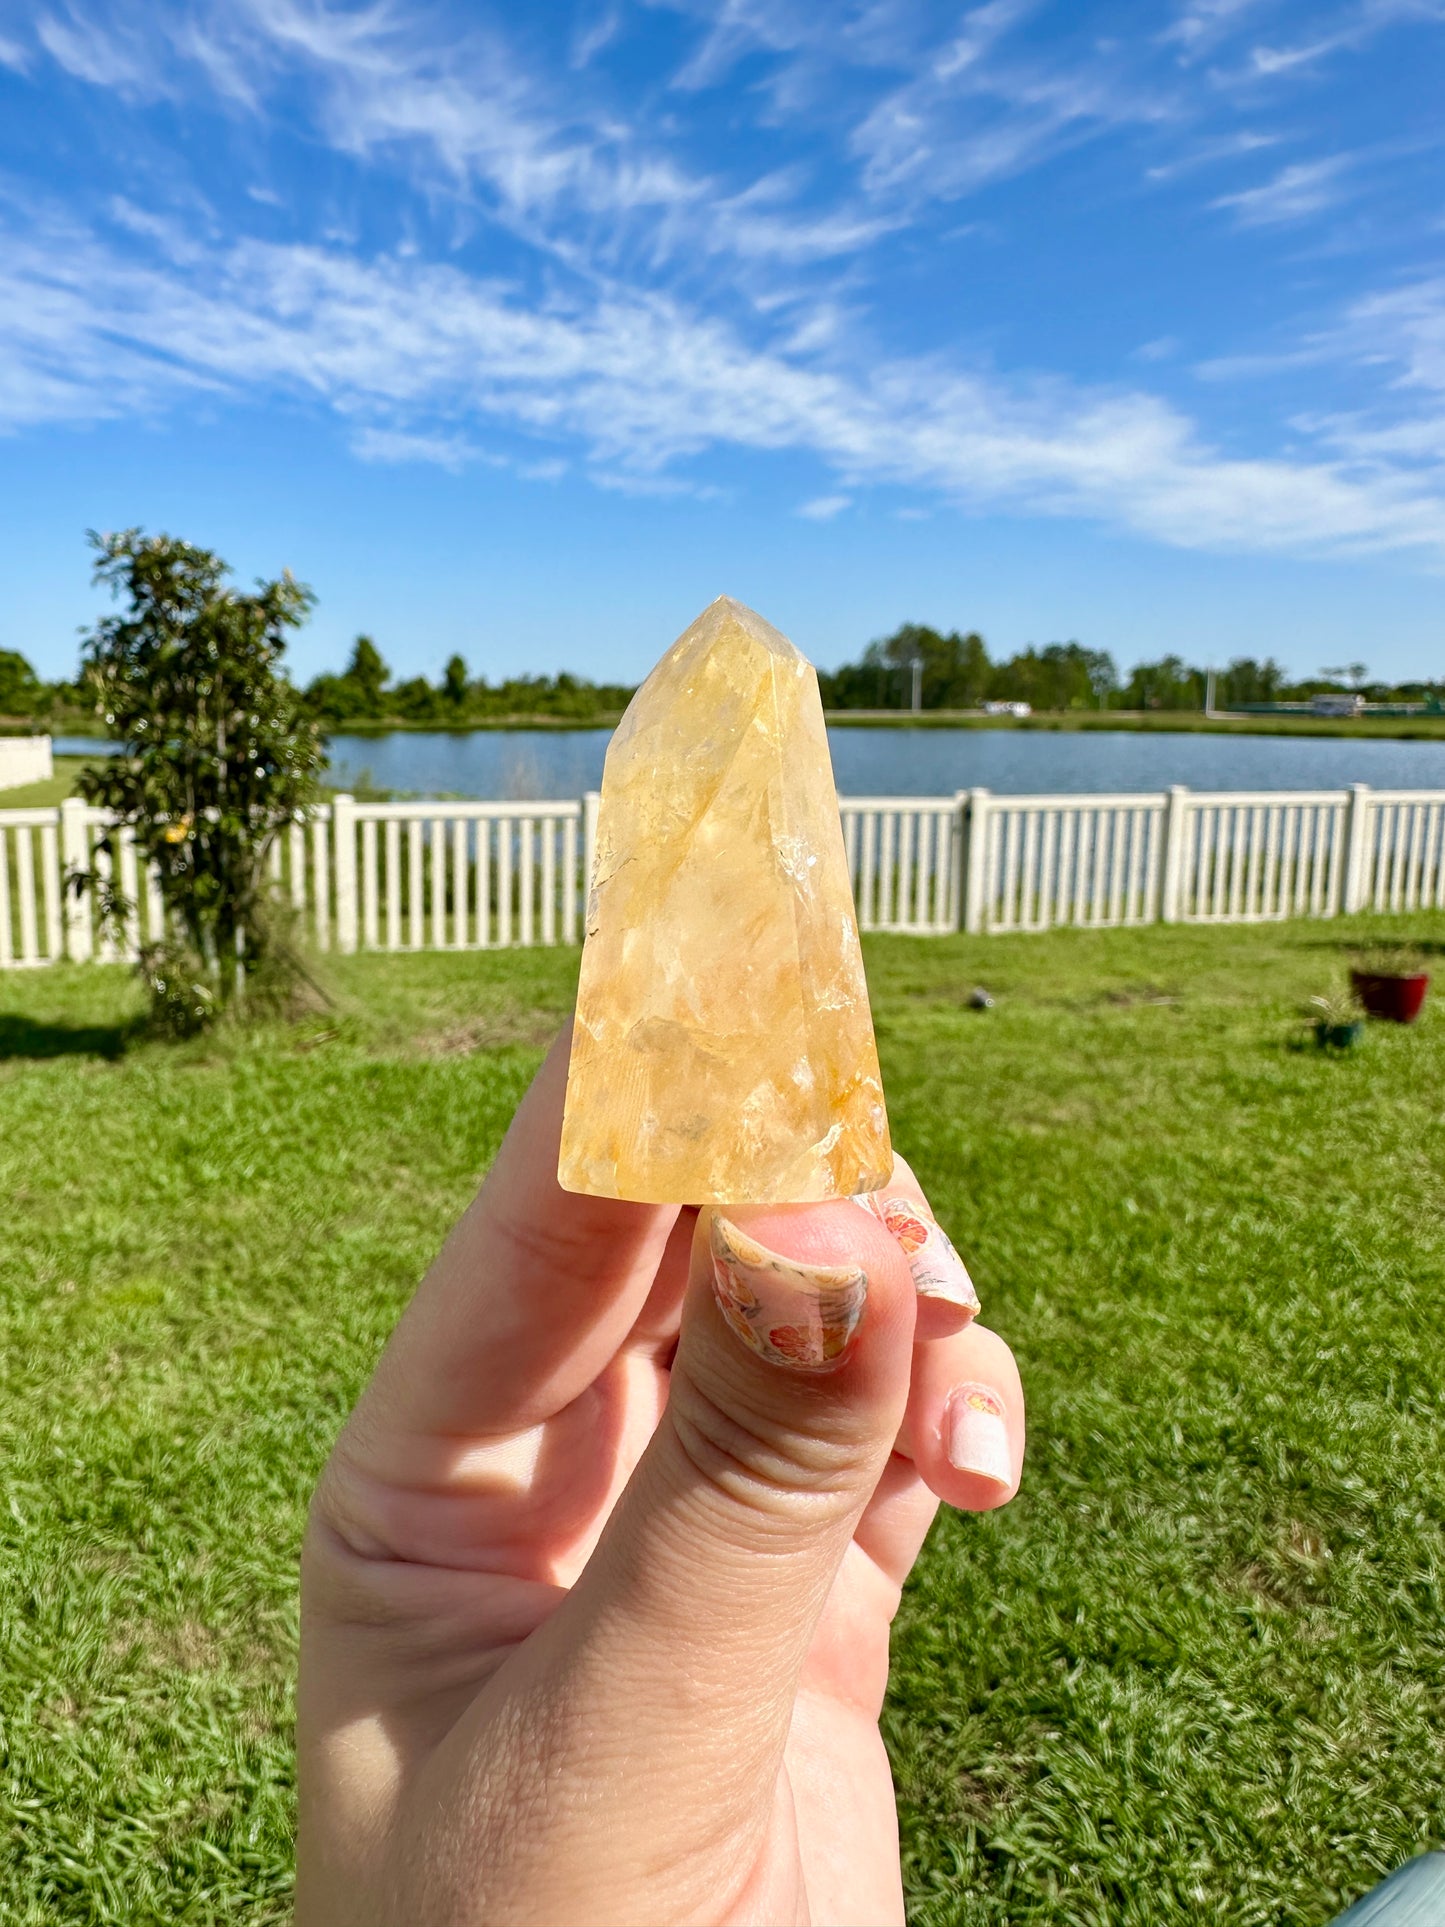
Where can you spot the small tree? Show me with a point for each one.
(1170, 683)
(455, 682)
(217, 756)
(358, 694)
(21, 689)
(368, 673)
(1249, 681)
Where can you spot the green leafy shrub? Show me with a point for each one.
(217, 758)
(182, 1001)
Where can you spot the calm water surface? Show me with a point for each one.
(914, 762)
(901, 762)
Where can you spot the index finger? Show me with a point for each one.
(533, 1293)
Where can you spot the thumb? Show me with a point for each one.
(700, 1603)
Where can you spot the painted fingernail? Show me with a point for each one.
(975, 1433)
(938, 1271)
(789, 1313)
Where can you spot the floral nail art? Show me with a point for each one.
(975, 1433)
(938, 1271)
(789, 1313)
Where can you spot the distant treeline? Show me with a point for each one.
(956, 672)
(364, 692)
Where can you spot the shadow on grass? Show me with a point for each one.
(24, 1037)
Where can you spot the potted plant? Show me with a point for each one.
(1338, 1020)
(1390, 980)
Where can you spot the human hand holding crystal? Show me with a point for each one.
(598, 1580)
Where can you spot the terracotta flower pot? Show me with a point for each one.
(1397, 998)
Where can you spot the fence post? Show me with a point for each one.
(343, 836)
(1357, 830)
(975, 862)
(957, 856)
(1172, 856)
(590, 805)
(74, 856)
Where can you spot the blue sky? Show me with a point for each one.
(525, 331)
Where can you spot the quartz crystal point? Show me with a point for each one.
(724, 1047)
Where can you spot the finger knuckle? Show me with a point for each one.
(777, 1473)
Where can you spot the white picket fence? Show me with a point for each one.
(473, 876)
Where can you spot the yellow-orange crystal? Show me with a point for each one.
(724, 1047)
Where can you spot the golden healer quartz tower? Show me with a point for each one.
(724, 1048)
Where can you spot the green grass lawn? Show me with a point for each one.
(1196, 1672)
(55, 789)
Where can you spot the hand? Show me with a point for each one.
(598, 1580)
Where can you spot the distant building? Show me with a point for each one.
(1336, 705)
(1008, 709)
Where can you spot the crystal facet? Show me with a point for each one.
(724, 1048)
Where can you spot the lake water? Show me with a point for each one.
(914, 762)
(901, 762)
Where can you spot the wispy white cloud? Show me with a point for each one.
(639, 484)
(392, 346)
(1360, 439)
(971, 116)
(1404, 326)
(612, 350)
(1396, 333)
(1201, 24)
(1268, 62)
(550, 164)
(551, 469)
(1395, 338)
(894, 36)
(1334, 29)
(449, 451)
(1212, 152)
(738, 27)
(1247, 367)
(218, 47)
(558, 165)
(985, 101)
(470, 106)
(104, 56)
(593, 36)
(591, 181)
(383, 86)
(1303, 188)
